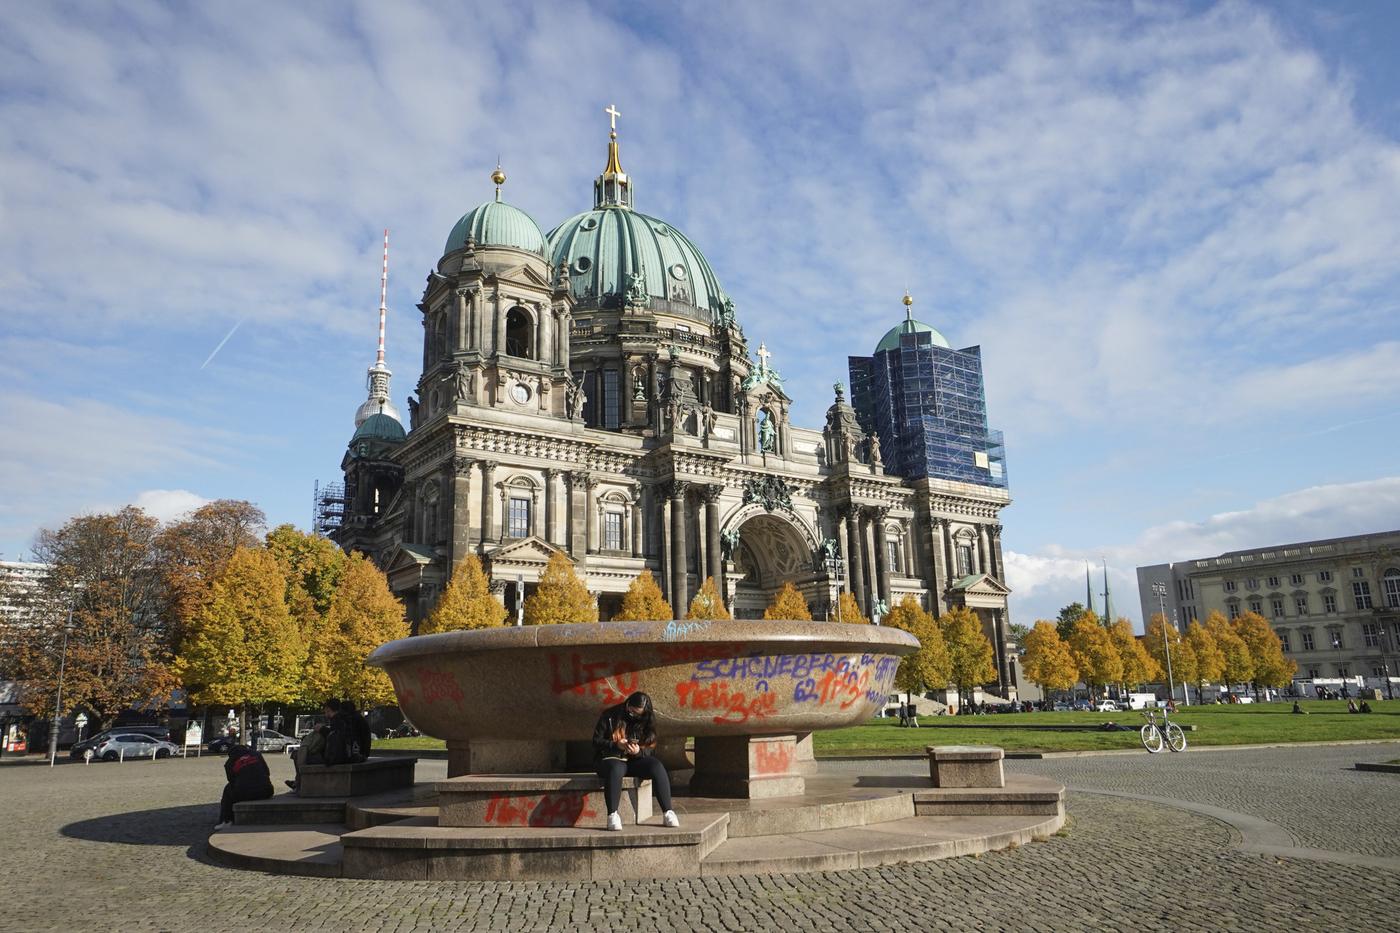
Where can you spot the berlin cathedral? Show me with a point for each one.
(591, 391)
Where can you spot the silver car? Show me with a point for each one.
(122, 745)
(270, 741)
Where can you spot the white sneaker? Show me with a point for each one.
(219, 826)
(669, 818)
(615, 822)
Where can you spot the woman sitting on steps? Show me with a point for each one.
(623, 742)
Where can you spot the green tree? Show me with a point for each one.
(1067, 617)
(242, 647)
(561, 596)
(929, 667)
(850, 613)
(1183, 658)
(363, 615)
(1095, 654)
(1210, 660)
(1048, 661)
(466, 603)
(788, 604)
(1139, 667)
(1239, 666)
(313, 566)
(1271, 668)
(971, 659)
(643, 601)
(708, 604)
(1019, 633)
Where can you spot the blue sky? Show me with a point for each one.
(1172, 228)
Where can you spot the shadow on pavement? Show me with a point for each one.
(168, 826)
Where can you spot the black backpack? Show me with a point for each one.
(342, 747)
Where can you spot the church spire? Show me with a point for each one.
(1088, 588)
(377, 376)
(612, 188)
(1107, 596)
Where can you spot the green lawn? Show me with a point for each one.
(1248, 724)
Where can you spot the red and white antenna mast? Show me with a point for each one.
(383, 296)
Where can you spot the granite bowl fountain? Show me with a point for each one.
(749, 692)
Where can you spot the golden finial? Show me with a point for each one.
(499, 177)
(908, 299)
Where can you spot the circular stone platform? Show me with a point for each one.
(840, 822)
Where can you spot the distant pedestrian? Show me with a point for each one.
(914, 715)
(903, 713)
(1365, 707)
(1351, 706)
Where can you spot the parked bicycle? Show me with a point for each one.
(1167, 733)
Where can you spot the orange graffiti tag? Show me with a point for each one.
(549, 810)
(773, 758)
(733, 705)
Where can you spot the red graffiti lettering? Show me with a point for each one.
(734, 706)
(611, 682)
(845, 687)
(437, 685)
(773, 758)
(562, 809)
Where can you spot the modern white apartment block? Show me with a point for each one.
(1334, 603)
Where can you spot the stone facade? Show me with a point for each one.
(625, 424)
(1334, 603)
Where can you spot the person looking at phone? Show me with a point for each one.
(623, 742)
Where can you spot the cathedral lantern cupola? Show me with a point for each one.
(612, 188)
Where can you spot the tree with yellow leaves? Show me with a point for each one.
(971, 659)
(1210, 661)
(1239, 666)
(789, 605)
(561, 596)
(1164, 639)
(1048, 660)
(1139, 667)
(850, 613)
(242, 648)
(643, 601)
(466, 603)
(1271, 668)
(708, 604)
(363, 615)
(927, 668)
(1095, 654)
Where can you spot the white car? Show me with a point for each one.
(1106, 706)
(122, 745)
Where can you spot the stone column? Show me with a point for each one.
(543, 335)
(1000, 571)
(590, 537)
(637, 521)
(460, 543)
(712, 549)
(578, 541)
(666, 553)
(843, 535)
(500, 328)
(984, 551)
(488, 501)
(566, 321)
(855, 567)
(680, 599)
(882, 559)
(948, 555)
(462, 316)
(550, 476)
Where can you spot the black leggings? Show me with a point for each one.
(612, 770)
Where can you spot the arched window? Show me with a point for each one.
(1391, 582)
(520, 332)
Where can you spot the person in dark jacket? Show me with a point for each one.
(247, 779)
(623, 741)
(360, 724)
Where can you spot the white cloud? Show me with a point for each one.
(167, 505)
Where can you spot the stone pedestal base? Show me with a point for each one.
(503, 756)
(750, 766)
(965, 765)
(365, 777)
(537, 800)
(806, 762)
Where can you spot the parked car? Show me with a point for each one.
(133, 745)
(160, 733)
(1062, 707)
(1106, 706)
(219, 744)
(268, 741)
(1083, 706)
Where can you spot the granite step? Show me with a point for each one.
(313, 851)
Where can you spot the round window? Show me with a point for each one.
(520, 392)
(582, 264)
(664, 231)
(589, 223)
(678, 272)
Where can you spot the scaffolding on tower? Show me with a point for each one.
(328, 508)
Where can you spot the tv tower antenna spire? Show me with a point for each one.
(383, 296)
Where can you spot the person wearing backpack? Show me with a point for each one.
(360, 725)
(247, 778)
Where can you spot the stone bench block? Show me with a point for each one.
(537, 800)
(366, 777)
(966, 765)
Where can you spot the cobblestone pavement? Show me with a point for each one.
(121, 847)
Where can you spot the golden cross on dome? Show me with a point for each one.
(613, 114)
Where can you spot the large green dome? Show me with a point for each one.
(910, 326)
(603, 247)
(496, 223)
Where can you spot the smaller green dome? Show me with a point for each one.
(496, 223)
(910, 326)
(380, 427)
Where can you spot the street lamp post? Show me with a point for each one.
(1386, 635)
(58, 701)
(1161, 590)
(1337, 646)
(836, 570)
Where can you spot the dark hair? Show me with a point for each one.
(332, 704)
(646, 727)
(348, 706)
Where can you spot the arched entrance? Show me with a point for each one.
(772, 551)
